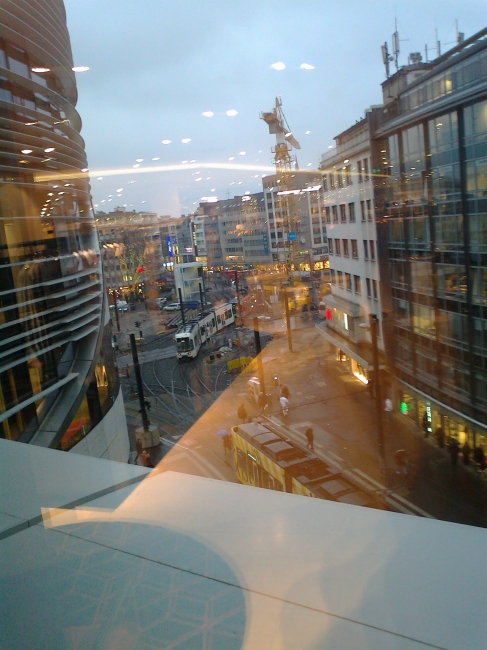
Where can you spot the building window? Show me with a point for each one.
(369, 291)
(343, 213)
(362, 210)
(339, 178)
(375, 292)
(325, 183)
(330, 246)
(332, 180)
(369, 210)
(351, 212)
(334, 211)
(327, 215)
(348, 174)
(366, 249)
(317, 240)
(333, 276)
(359, 167)
(353, 243)
(340, 279)
(345, 247)
(337, 247)
(348, 281)
(372, 250)
(357, 284)
(366, 169)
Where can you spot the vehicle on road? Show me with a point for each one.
(172, 306)
(191, 336)
(122, 305)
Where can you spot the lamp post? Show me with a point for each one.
(373, 327)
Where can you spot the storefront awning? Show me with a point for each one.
(362, 355)
(349, 308)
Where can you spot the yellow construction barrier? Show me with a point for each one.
(248, 364)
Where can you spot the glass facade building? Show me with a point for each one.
(57, 371)
(430, 161)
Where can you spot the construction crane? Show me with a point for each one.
(285, 164)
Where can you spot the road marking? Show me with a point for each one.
(337, 457)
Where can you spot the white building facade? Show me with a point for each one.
(348, 205)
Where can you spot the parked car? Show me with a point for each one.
(122, 305)
(172, 306)
(161, 302)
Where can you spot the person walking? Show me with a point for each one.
(310, 438)
(284, 402)
(285, 391)
(242, 413)
(146, 461)
(454, 449)
(227, 444)
(138, 449)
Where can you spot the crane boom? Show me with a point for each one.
(284, 161)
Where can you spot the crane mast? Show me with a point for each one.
(286, 204)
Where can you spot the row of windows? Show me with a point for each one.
(344, 281)
(340, 246)
(339, 178)
(347, 212)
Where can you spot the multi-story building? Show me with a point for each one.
(305, 195)
(59, 384)
(348, 206)
(176, 233)
(130, 241)
(242, 236)
(430, 161)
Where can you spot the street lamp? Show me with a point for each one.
(373, 328)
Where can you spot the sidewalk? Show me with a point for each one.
(342, 414)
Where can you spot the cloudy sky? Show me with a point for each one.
(157, 65)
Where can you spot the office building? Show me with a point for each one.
(430, 166)
(59, 383)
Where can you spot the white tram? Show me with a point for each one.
(191, 336)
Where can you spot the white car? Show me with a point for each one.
(172, 306)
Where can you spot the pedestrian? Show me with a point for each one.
(454, 449)
(479, 457)
(285, 391)
(284, 402)
(425, 424)
(138, 448)
(227, 444)
(440, 437)
(262, 402)
(147, 404)
(466, 453)
(146, 461)
(401, 457)
(310, 438)
(388, 409)
(242, 413)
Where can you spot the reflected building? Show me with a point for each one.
(430, 168)
(59, 385)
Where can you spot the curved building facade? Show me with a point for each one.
(58, 380)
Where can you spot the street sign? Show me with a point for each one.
(292, 236)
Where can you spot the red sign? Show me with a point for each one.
(328, 314)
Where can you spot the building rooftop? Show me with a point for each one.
(96, 554)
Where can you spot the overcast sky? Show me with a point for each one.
(157, 65)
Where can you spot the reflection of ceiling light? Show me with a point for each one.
(139, 160)
(49, 149)
(185, 162)
(85, 169)
(232, 158)
(166, 142)
(41, 69)
(330, 146)
(306, 66)
(30, 123)
(135, 166)
(156, 159)
(307, 132)
(26, 151)
(241, 153)
(100, 178)
(55, 186)
(80, 68)
(232, 113)
(309, 165)
(23, 162)
(186, 140)
(208, 114)
(278, 66)
(346, 161)
(192, 161)
(120, 189)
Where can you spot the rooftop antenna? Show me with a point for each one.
(396, 47)
(386, 58)
(460, 35)
(438, 44)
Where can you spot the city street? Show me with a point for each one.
(342, 414)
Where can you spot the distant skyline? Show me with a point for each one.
(156, 66)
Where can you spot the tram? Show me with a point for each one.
(266, 459)
(191, 336)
